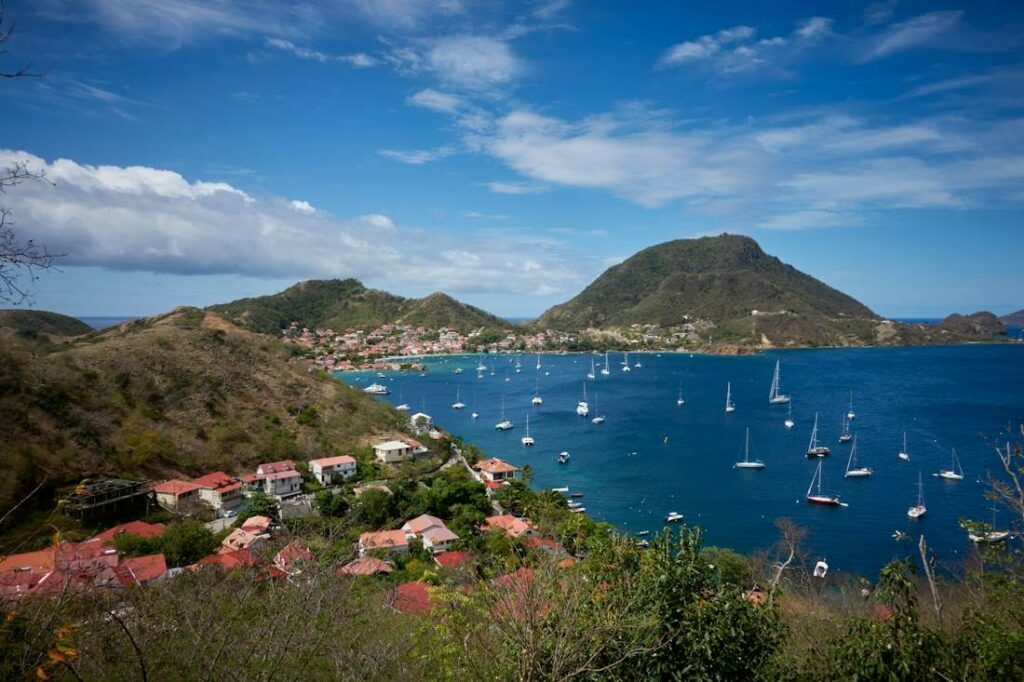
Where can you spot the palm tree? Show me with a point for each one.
(526, 473)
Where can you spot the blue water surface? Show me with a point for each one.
(652, 457)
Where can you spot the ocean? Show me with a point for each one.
(652, 457)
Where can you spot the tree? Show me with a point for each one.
(186, 542)
(330, 503)
(17, 256)
(260, 504)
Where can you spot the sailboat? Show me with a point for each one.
(598, 419)
(954, 473)
(637, 365)
(504, 424)
(582, 408)
(775, 394)
(538, 361)
(519, 365)
(537, 400)
(401, 407)
(817, 497)
(458, 404)
(729, 407)
(604, 370)
(845, 436)
(815, 449)
(481, 367)
(852, 470)
(625, 362)
(789, 423)
(746, 463)
(592, 374)
(988, 535)
(904, 454)
(679, 400)
(850, 414)
(527, 439)
(918, 510)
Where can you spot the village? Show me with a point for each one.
(380, 348)
(248, 518)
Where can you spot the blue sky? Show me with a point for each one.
(508, 152)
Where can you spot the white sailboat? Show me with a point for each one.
(637, 365)
(904, 454)
(599, 419)
(504, 424)
(481, 367)
(679, 400)
(729, 407)
(538, 362)
(536, 399)
(401, 407)
(954, 473)
(582, 408)
(775, 394)
(845, 436)
(988, 535)
(458, 404)
(746, 463)
(527, 439)
(592, 374)
(519, 365)
(817, 497)
(814, 448)
(918, 510)
(850, 414)
(852, 470)
(625, 362)
(789, 423)
(604, 370)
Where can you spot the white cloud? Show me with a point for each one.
(475, 62)
(303, 207)
(405, 14)
(919, 31)
(358, 60)
(515, 188)
(436, 101)
(147, 219)
(814, 28)
(477, 215)
(418, 157)
(706, 46)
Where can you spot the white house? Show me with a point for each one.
(494, 470)
(394, 451)
(431, 530)
(219, 490)
(421, 423)
(282, 483)
(332, 470)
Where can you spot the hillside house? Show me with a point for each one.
(390, 541)
(512, 526)
(333, 470)
(495, 471)
(421, 423)
(395, 451)
(173, 494)
(219, 490)
(432, 531)
(276, 478)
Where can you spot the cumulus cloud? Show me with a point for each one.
(475, 62)
(138, 218)
(436, 101)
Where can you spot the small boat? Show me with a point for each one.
(674, 517)
(402, 408)
(845, 436)
(637, 365)
(576, 495)
(481, 368)
(563, 489)
(376, 389)
(475, 415)
(642, 533)
(504, 424)
(591, 374)
(538, 362)
(625, 362)
(729, 407)
(820, 569)
(789, 423)
(563, 457)
(852, 470)
(604, 370)
(458, 370)
(519, 365)
(582, 408)
(380, 375)
(954, 473)
(775, 394)
(458, 404)
(527, 439)
(536, 399)
(904, 454)
(817, 497)
(850, 414)
(814, 448)
(679, 400)
(746, 463)
(642, 544)
(577, 510)
(918, 510)
(574, 505)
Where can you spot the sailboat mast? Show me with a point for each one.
(746, 453)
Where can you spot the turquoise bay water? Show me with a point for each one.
(631, 476)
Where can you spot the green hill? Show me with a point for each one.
(340, 304)
(34, 322)
(713, 278)
(182, 393)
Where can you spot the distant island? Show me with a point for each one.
(1013, 319)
